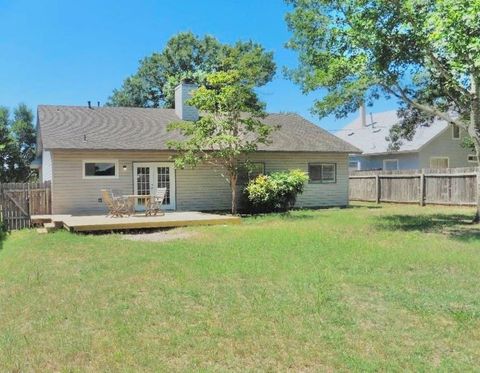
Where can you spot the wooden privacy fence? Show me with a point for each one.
(18, 201)
(451, 186)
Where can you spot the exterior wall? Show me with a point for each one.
(46, 169)
(406, 161)
(201, 188)
(445, 146)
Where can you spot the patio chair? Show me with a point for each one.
(154, 203)
(117, 206)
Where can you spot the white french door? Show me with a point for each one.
(148, 177)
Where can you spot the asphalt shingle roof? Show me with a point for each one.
(372, 138)
(120, 128)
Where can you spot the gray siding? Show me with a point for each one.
(201, 188)
(444, 146)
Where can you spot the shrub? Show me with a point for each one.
(275, 192)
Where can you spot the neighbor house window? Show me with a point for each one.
(322, 172)
(100, 169)
(439, 162)
(390, 164)
(472, 158)
(455, 132)
(354, 165)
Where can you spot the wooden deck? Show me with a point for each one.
(103, 223)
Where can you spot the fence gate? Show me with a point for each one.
(18, 201)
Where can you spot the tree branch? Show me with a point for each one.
(424, 107)
(447, 74)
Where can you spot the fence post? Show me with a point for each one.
(377, 188)
(422, 188)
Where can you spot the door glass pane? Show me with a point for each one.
(163, 181)
(143, 182)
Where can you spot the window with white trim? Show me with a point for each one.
(439, 162)
(324, 173)
(472, 158)
(102, 169)
(455, 132)
(390, 164)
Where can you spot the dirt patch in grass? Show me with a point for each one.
(159, 235)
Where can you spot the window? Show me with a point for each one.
(354, 165)
(322, 173)
(255, 169)
(455, 132)
(100, 169)
(390, 164)
(439, 162)
(472, 158)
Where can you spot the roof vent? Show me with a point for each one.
(89, 104)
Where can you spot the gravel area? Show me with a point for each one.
(159, 236)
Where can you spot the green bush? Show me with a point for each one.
(275, 192)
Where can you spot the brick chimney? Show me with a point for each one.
(183, 93)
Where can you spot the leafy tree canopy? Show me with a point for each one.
(17, 144)
(229, 129)
(187, 56)
(424, 52)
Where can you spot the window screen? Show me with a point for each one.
(322, 172)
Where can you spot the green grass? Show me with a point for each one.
(365, 288)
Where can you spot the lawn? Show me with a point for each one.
(366, 288)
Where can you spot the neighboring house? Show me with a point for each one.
(86, 149)
(438, 145)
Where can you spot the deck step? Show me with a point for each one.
(50, 227)
(42, 230)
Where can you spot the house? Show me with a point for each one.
(438, 145)
(86, 149)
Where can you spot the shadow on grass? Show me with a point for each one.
(368, 207)
(3, 236)
(457, 226)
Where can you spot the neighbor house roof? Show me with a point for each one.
(120, 128)
(371, 139)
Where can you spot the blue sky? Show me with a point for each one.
(68, 52)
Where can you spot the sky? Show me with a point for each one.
(66, 52)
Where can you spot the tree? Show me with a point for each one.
(425, 53)
(6, 145)
(228, 131)
(24, 134)
(17, 144)
(187, 56)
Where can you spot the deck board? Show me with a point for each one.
(169, 220)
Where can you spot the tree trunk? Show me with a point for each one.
(474, 132)
(233, 188)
